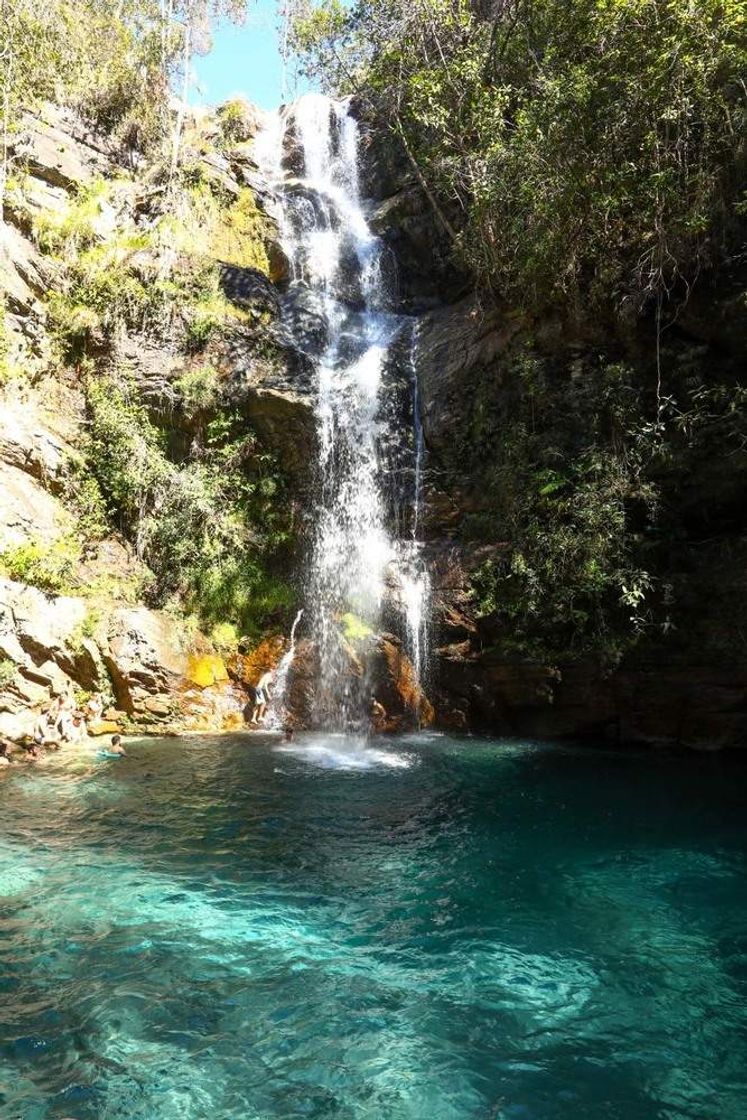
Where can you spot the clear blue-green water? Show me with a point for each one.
(434, 929)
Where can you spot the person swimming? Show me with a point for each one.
(116, 748)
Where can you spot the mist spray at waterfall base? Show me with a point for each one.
(338, 269)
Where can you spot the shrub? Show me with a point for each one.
(72, 229)
(234, 118)
(225, 637)
(50, 567)
(207, 529)
(198, 390)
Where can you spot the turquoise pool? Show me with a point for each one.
(423, 929)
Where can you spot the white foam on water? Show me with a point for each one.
(345, 752)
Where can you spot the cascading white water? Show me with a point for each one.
(277, 709)
(310, 154)
(415, 579)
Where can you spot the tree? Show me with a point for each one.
(594, 149)
(113, 63)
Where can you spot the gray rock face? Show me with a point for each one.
(275, 392)
(27, 511)
(454, 344)
(27, 444)
(33, 463)
(37, 636)
(58, 149)
(24, 274)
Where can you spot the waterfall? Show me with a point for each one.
(340, 312)
(277, 711)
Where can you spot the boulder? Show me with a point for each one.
(206, 669)
(98, 727)
(248, 288)
(40, 637)
(218, 707)
(34, 627)
(397, 686)
(144, 653)
(17, 726)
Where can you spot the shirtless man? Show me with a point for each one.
(261, 696)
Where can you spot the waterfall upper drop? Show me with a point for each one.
(340, 310)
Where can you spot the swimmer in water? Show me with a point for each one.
(116, 747)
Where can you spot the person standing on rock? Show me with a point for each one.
(261, 696)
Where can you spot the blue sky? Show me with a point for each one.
(243, 60)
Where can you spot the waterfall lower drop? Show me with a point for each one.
(338, 295)
(277, 709)
(414, 575)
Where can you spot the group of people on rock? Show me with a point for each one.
(65, 722)
(32, 749)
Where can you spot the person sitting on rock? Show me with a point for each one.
(71, 727)
(45, 728)
(261, 696)
(94, 707)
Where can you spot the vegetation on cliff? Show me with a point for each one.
(589, 150)
(128, 255)
(586, 164)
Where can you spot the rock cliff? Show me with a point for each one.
(87, 236)
(141, 318)
(548, 438)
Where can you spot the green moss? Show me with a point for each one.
(7, 671)
(206, 225)
(73, 228)
(225, 637)
(241, 232)
(354, 628)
